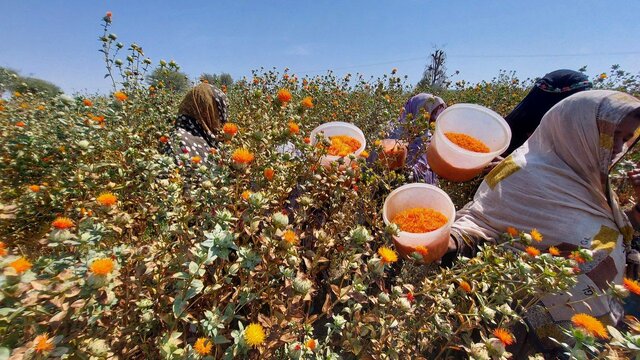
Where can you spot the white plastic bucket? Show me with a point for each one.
(452, 162)
(418, 195)
(337, 128)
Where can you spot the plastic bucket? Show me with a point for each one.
(337, 128)
(454, 163)
(420, 195)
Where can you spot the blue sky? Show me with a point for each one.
(57, 40)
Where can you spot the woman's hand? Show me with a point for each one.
(492, 164)
(394, 153)
(634, 178)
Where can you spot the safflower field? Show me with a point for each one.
(110, 250)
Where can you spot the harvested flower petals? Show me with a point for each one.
(342, 145)
(419, 220)
(467, 142)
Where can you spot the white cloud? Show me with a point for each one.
(298, 50)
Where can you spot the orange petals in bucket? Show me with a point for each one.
(467, 142)
(419, 220)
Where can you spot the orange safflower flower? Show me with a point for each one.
(3, 249)
(230, 129)
(196, 159)
(512, 231)
(120, 96)
(42, 343)
(467, 142)
(284, 96)
(20, 265)
(465, 286)
(419, 220)
(554, 251)
(575, 255)
(62, 223)
(87, 102)
(40, 107)
(591, 325)
(387, 255)
(294, 128)
(307, 140)
(203, 346)
(364, 154)
(246, 194)
(107, 199)
(109, 14)
(311, 344)
(632, 285)
(269, 173)
(164, 139)
(504, 336)
(20, 124)
(224, 88)
(102, 266)
(34, 188)
(532, 251)
(422, 250)
(242, 156)
(290, 237)
(535, 235)
(307, 102)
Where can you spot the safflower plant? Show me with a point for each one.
(122, 252)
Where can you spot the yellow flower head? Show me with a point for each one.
(102, 267)
(290, 237)
(246, 194)
(254, 335)
(364, 154)
(107, 199)
(3, 249)
(554, 251)
(20, 265)
(196, 160)
(242, 156)
(203, 346)
(388, 256)
(34, 188)
(42, 343)
(504, 336)
(62, 223)
(590, 324)
(535, 235)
